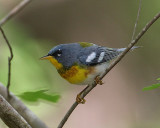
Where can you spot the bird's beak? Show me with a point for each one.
(45, 57)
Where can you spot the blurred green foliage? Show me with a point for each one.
(153, 86)
(28, 72)
(107, 23)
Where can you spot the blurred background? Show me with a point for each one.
(120, 102)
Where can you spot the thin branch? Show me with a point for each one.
(9, 59)
(133, 42)
(135, 26)
(27, 114)
(14, 11)
(10, 116)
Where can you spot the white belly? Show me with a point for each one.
(99, 71)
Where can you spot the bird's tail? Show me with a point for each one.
(134, 47)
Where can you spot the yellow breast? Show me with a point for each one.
(76, 74)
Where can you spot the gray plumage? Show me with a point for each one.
(73, 53)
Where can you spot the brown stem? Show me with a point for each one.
(27, 114)
(9, 60)
(135, 26)
(20, 107)
(14, 11)
(10, 116)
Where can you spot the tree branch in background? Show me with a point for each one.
(14, 11)
(9, 59)
(135, 26)
(89, 88)
(27, 114)
(10, 116)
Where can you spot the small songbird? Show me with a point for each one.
(82, 63)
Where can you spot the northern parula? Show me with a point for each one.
(82, 63)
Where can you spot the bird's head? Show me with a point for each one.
(63, 55)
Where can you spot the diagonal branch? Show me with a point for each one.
(10, 116)
(9, 59)
(133, 42)
(14, 11)
(20, 107)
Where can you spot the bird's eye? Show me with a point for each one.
(58, 53)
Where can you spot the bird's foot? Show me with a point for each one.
(80, 100)
(98, 80)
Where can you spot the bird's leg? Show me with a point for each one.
(79, 99)
(98, 80)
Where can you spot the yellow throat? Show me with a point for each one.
(74, 75)
(53, 61)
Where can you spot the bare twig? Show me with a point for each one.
(133, 42)
(9, 59)
(27, 114)
(14, 11)
(135, 26)
(10, 116)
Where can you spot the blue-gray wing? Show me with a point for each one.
(95, 55)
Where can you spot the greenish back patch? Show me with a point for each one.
(85, 44)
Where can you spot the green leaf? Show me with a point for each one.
(158, 78)
(153, 86)
(35, 96)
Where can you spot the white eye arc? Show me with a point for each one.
(59, 52)
(55, 53)
(58, 55)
